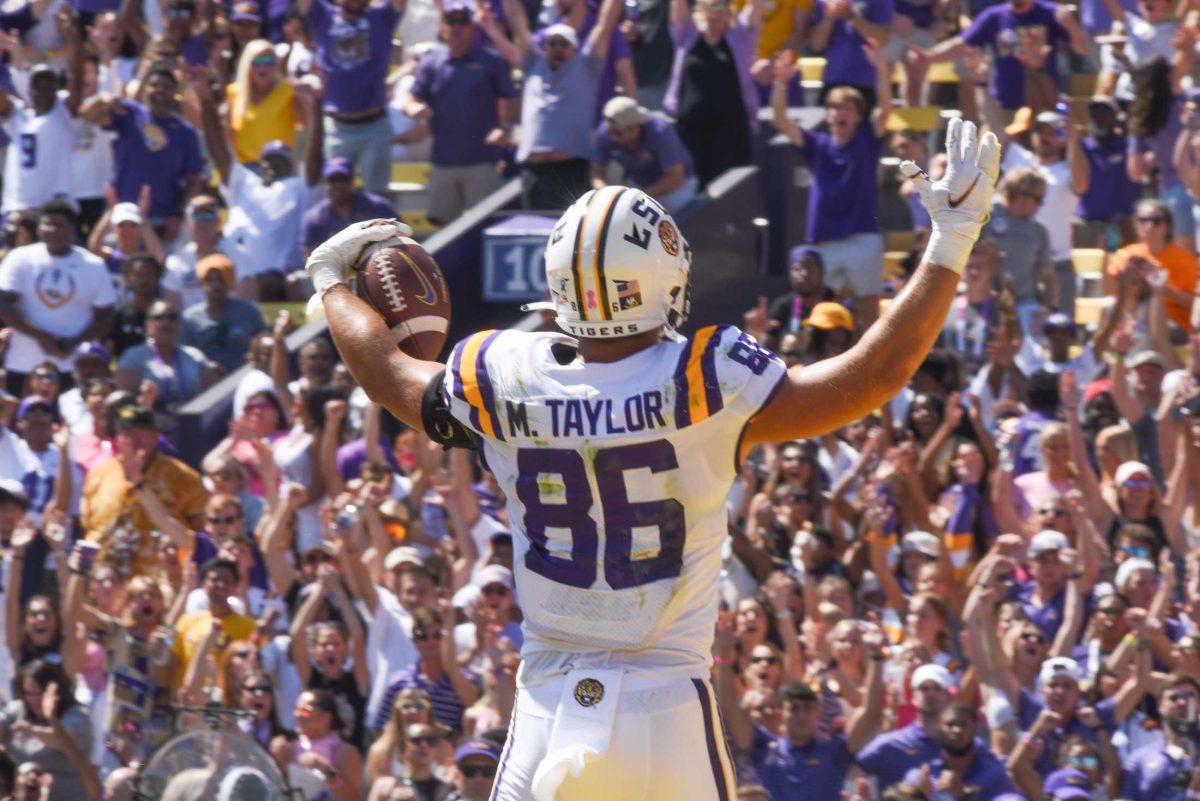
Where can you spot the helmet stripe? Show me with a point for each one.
(598, 249)
(576, 271)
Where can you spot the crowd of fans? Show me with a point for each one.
(989, 589)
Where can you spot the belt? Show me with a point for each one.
(359, 117)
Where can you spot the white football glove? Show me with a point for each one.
(959, 203)
(333, 261)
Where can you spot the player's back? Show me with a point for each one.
(616, 475)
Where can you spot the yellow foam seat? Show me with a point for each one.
(1088, 311)
(900, 240)
(410, 172)
(1088, 261)
(921, 119)
(812, 68)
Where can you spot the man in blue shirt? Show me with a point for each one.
(890, 756)
(562, 77)
(1167, 771)
(343, 205)
(466, 95)
(974, 771)
(650, 153)
(799, 763)
(353, 39)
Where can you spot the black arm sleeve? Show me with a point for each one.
(440, 425)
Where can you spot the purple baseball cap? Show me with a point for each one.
(92, 350)
(338, 167)
(1067, 783)
(246, 11)
(801, 252)
(32, 403)
(275, 147)
(477, 747)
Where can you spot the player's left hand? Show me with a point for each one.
(333, 261)
(959, 203)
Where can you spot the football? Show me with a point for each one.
(404, 284)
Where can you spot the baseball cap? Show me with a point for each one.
(1059, 667)
(623, 112)
(338, 167)
(247, 11)
(1066, 784)
(402, 555)
(920, 542)
(829, 315)
(13, 491)
(275, 147)
(126, 213)
(1127, 569)
(92, 350)
(477, 747)
(43, 68)
(216, 261)
(935, 673)
(562, 30)
(135, 416)
(32, 403)
(494, 574)
(1131, 469)
(458, 8)
(1052, 118)
(1099, 387)
(1048, 540)
(1022, 122)
(1058, 320)
(801, 252)
(1146, 357)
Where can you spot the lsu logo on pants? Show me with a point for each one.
(589, 692)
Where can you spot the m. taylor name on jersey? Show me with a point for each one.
(580, 417)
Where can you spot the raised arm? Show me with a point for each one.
(298, 648)
(784, 74)
(390, 377)
(835, 391)
(464, 688)
(599, 40)
(210, 119)
(738, 723)
(518, 23)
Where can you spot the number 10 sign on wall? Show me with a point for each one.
(514, 264)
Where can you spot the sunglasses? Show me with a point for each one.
(429, 739)
(420, 635)
(495, 589)
(764, 660)
(46, 376)
(557, 43)
(1090, 762)
(1052, 511)
(264, 61)
(223, 520)
(169, 317)
(457, 19)
(796, 457)
(1136, 551)
(1153, 220)
(477, 772)
(415, 706)
(258, 689)
(1137, 483)
(206, 213)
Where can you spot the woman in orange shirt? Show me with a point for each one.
(262, 105)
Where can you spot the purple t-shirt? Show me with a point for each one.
(354, 55)
(985, 774)
(1162, 145)
(1153, 774)
(845, 62)
(155, 151)
(321, 221)
(195, 51)
(618, 48)
(659, 149)
(1110, 192)
(1007, 34)
(1030, 706)
(462, 93)
(843, 200)
(1028, 433)
(96, 6)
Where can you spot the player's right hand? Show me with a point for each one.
(334, 260)
(960, 202)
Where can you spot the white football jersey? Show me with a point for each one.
(616, 476)
(38, 164)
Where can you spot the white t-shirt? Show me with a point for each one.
(389, 646)
(91, 160)
(36, 166)
(1058, 206)
(58, 295)
(264, 221)
(16, 459)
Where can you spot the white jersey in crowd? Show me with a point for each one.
(264, 221)
(616, 476)
(91, 160)
(36, 166)
(57, 294)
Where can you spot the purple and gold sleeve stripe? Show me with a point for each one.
(472, 383)
(697, 392)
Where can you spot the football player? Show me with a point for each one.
(616, 443)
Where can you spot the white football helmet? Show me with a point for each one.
(617, 265)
